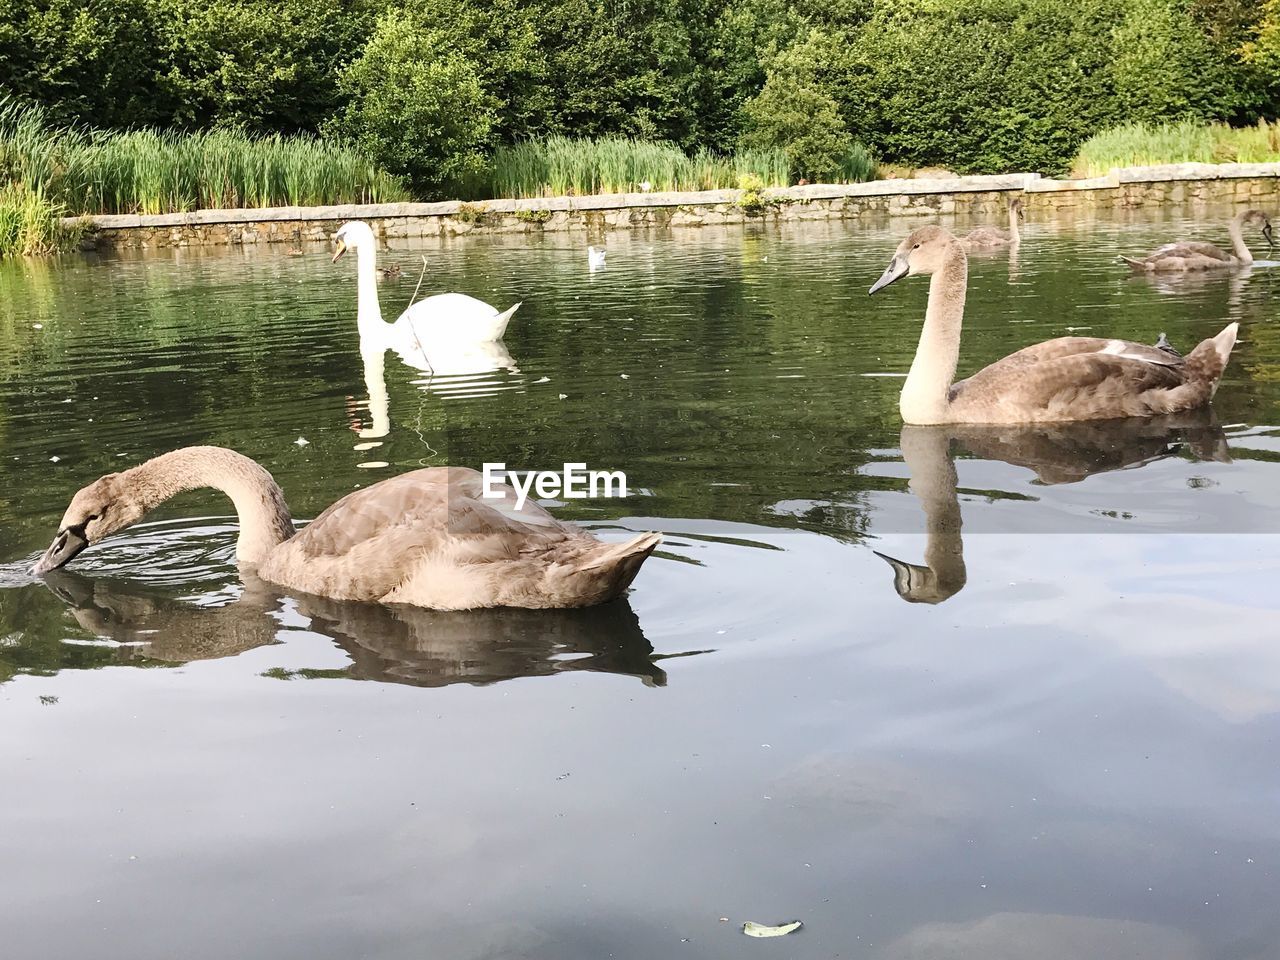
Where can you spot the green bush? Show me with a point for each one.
(793, 113)
(416, 106)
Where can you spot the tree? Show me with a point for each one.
(416, 106)
(794, 113)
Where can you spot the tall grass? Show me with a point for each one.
(149, 171)
(31, 224)
(566, 166)
(1140, 144)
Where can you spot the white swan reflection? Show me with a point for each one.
(453, 371)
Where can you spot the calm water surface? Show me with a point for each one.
(1043, 721)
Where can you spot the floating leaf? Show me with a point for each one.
(753, 929)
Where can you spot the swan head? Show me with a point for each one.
(1259, 219)
(1015, 206)
(922, 252)
(352, 236)
(104, 507)
(917, 583)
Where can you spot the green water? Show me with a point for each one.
(1067, 740)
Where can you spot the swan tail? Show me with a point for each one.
(619, 563)
(501, 320)
(1206, 363)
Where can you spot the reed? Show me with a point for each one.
(566, 166)
(1140, 144)
(31, 224)
(151, 171)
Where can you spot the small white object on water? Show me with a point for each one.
(564, 396)
(37, 326)
(543, 380)
(302, 442)
(595, 257)
(752, 929)
(625, 376)
(54, 459)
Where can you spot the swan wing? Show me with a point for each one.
(363, 546)
(1061, 347)
(1092, 385)
(986, 236)
(452, 317)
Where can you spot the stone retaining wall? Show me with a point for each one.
(983, 196)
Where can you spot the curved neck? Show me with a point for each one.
(925, 395)
(264, 516)
(1235, 229)
(927, 454)
(1014, 237)
(368, 312)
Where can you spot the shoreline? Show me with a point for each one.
(983, 195)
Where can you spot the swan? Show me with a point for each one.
(1070, 378)
(988, 237)
(427, 538)
(444, 318)
(1184, 256)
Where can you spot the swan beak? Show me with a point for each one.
(65, 547)
(342, 248)
(1266, 232)
(897, 269)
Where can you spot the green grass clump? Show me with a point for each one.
(151, 171)
(565, 166)
(31, 224)
(1141, 145)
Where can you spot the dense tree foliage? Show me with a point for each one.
(427, 84)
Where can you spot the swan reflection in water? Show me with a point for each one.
(452, 370)
(393, 644)
(1056, 453)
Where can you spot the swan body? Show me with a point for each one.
(1185, 256)
(441, 319)
(989, 238)
(1070, 378)
(428, 538)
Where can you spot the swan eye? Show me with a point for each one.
(916, 247)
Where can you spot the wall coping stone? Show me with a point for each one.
(1028, 182)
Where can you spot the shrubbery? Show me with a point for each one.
(430, 86)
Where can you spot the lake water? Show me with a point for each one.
(1063, 746)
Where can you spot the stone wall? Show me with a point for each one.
(984, 196)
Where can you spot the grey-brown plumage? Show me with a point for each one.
(427, 538)
(1070, 378)
(989, 238)
(1055, 452)
(390, 644)
(1186, 256)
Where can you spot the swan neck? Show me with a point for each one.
(927, 454)
(1236, 229)
(368, 312)
(1014, 237)
(926, 394)
(264, 517)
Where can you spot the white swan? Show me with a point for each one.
(447, 318)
